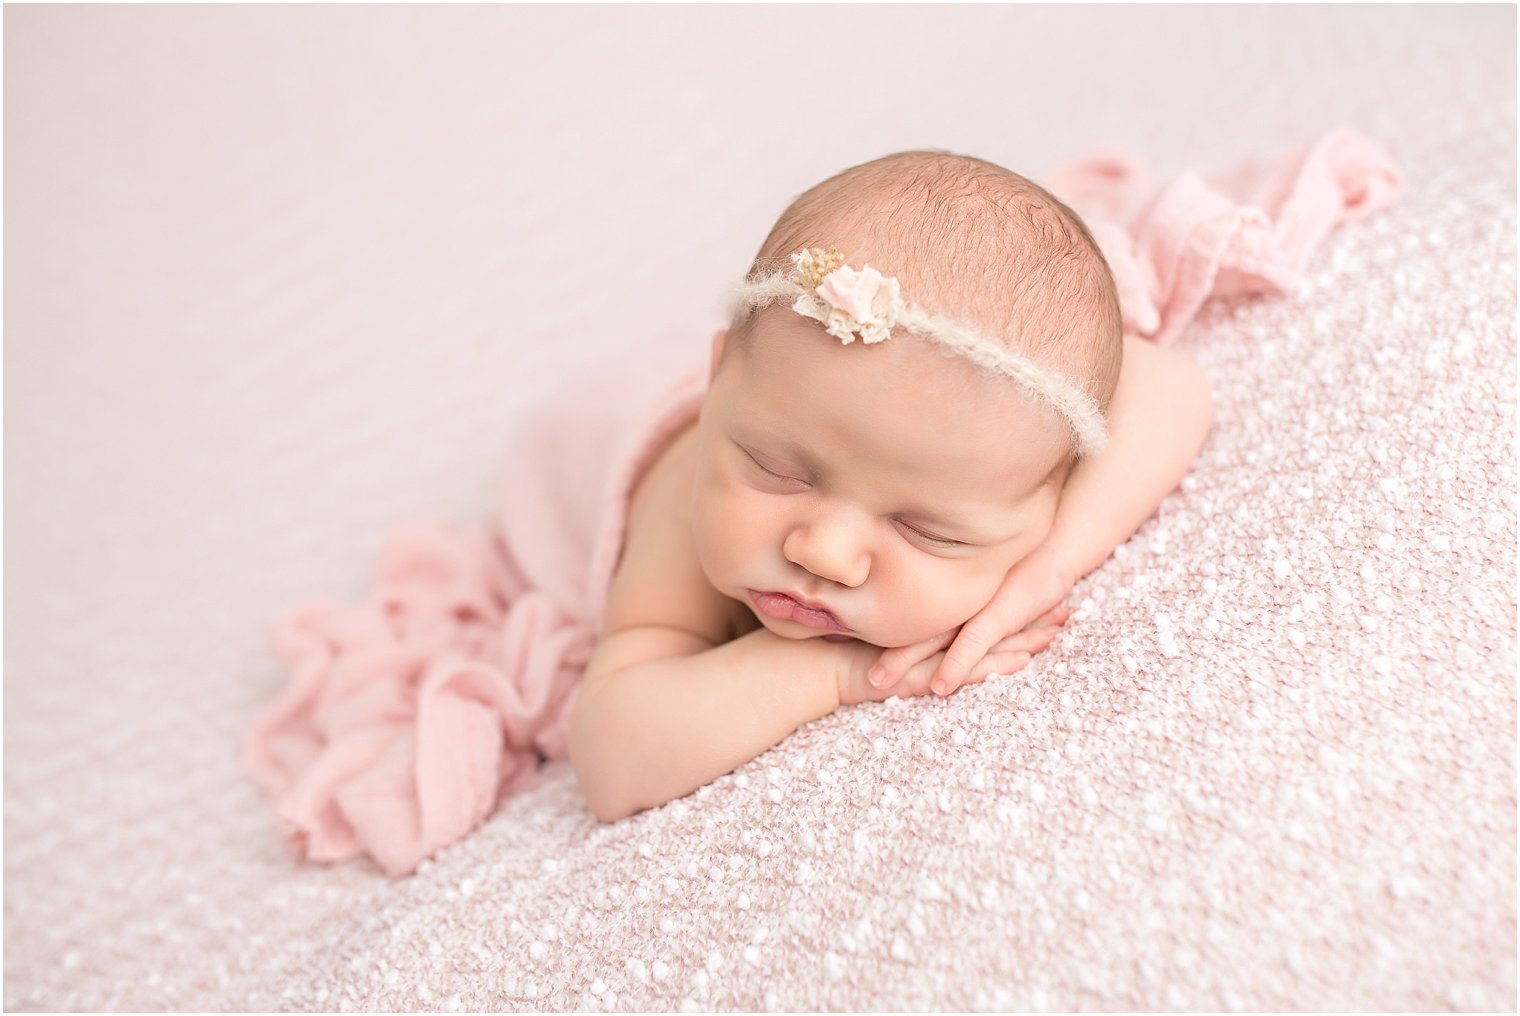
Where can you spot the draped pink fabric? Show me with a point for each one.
(410, 714)
(1250, 229)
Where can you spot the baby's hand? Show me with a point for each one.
(1022, 618)
(1004, 658)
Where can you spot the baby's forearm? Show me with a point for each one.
(1158, 419)
(658, 730)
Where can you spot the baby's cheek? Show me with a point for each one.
(703, 526)
(719, 531)
(903, 602)
(956, 591)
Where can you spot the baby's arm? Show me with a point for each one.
(662, 711)
(1157, 421)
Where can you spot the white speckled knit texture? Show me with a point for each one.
(275, 277)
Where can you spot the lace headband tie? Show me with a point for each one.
(868, 305)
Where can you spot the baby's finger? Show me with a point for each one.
(1007, 657)
(895, 663)
(977, 636)
(998, 663)
(1030, 640)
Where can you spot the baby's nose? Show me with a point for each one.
(830, 547)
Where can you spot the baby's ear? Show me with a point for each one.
(720, 340)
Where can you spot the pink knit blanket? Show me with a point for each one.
(411, 713)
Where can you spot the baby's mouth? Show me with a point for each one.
(785, 607)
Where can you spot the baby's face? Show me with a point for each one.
(876, 492)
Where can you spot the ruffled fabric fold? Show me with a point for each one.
(410, 714)
(1251, 229)
(410, 711)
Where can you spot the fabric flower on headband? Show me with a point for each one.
(844, 300)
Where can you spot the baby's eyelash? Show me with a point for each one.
(937, 540)
(763, 469)
(769, 472)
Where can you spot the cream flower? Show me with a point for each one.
(848, 302)
(840, 325)
(851, 291)
(836, 322)
(886, 310)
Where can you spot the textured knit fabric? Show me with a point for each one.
(277, 276)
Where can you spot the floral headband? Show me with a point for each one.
(868, 304)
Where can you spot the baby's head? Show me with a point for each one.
(894, 483)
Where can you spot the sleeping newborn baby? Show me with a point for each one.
(924, 424)
(926, 420)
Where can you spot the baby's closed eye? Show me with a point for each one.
(775, 471)
(919, 533)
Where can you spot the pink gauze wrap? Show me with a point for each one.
(1250, 229)
(409, 715)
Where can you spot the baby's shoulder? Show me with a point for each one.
(659, 580)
